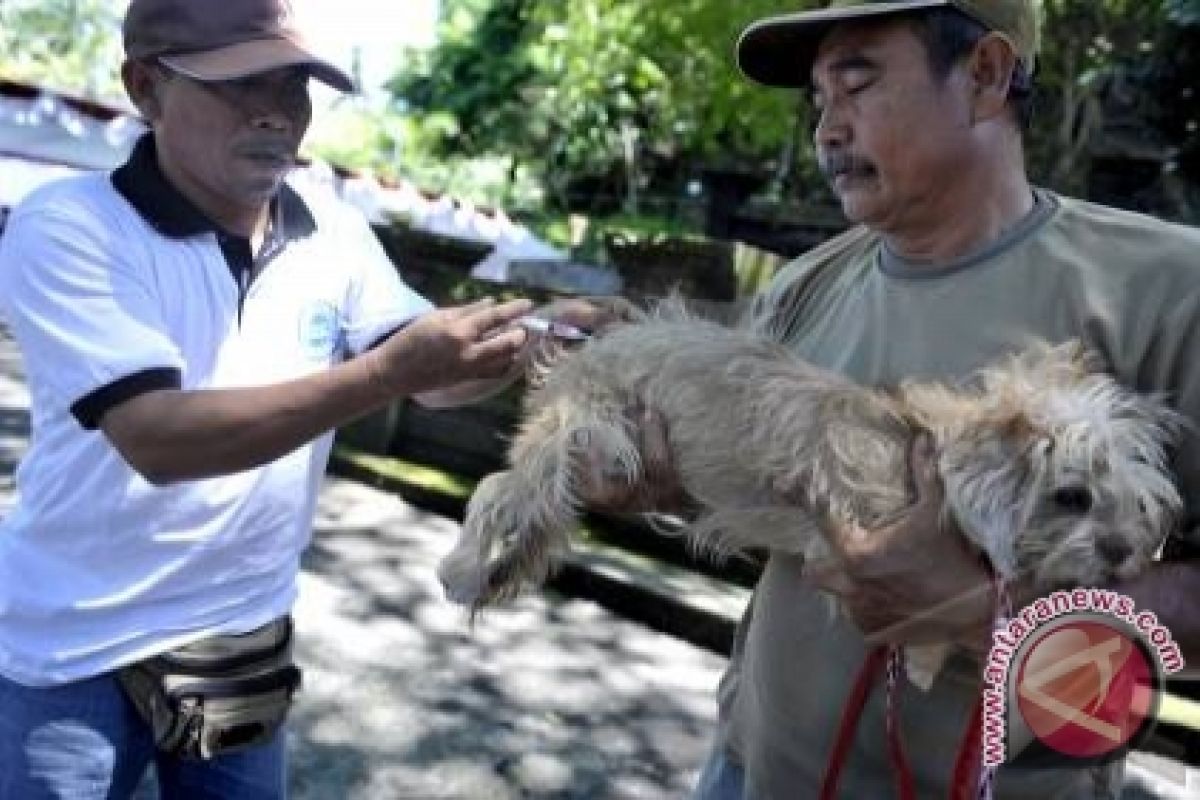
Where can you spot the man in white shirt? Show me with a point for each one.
(193, 329)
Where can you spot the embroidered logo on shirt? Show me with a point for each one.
(320, 330)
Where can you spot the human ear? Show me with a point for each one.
(992, 65)
(142, 88)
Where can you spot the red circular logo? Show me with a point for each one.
(1086, 689)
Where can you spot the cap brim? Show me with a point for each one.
(251, 58)
(779, 51)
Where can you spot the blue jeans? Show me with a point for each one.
(721, 779)
(85, 741)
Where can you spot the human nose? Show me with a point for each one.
(832, 130)
(284, 107)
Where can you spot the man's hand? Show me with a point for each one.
(592, 316)
(605, 487)
(173, 435)
(451, 346)
(915, 581)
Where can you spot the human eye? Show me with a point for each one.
(858, 80)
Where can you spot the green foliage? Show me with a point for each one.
(666, 67)
(1117, 82)
(583, 87)
(359, 138)
(72, 45)
(469, 82)
(1083, 41)
(616, 89)
(523, 98)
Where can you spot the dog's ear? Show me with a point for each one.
(1025, 445)
(990, 476)
(1017, 427)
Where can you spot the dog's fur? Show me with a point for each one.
(1057, 473)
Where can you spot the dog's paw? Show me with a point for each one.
(462, 578)
(492, 568)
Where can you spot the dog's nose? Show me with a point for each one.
(1114, 549)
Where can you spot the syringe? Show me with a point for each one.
(559, 330)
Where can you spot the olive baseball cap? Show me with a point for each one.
(779, 51)
(223, 39)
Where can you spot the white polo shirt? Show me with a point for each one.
(116, 285)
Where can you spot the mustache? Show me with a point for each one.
(264, 148)
(841, 163)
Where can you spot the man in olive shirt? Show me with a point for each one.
(956, 261)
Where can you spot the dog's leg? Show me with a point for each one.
(518, 521)
(484, 564)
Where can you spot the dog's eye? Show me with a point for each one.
(1074, 499)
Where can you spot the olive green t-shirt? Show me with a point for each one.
(1126, 284)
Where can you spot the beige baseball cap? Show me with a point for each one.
(223, 40)
(778, 51)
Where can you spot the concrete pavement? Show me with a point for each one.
(550, 698)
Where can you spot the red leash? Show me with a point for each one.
(968, 781)
(851, 713)
(874, 665)
(905, 785)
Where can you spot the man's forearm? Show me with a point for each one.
(171, 436)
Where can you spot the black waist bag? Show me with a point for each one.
(219, 695)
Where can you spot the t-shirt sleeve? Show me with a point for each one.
(1172, 367)
(779, 311)
(379, 302)
(87, 322)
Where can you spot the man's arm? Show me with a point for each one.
(171, 435)
(1170, 590)
(917, 580)
(476, 391)
(591, 315)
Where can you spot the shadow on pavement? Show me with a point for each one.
(14, 438)
(548, 698)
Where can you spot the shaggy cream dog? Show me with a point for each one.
(1051, 468)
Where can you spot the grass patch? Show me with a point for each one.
(452, 487)
(422, 477)
(1179, 711)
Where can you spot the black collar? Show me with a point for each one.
(143, 184)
